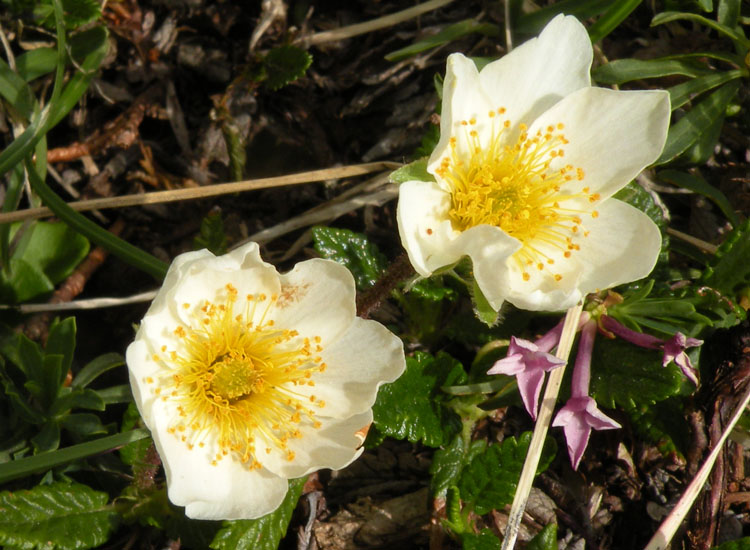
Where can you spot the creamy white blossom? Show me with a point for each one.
(528, 158)
(247, 377)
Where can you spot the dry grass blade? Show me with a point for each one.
(540, 428)
(663, 536)
(369, 26)
(207, 191)
(91, 303)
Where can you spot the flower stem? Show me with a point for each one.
(398, 271)
(668, 528)
(582, 368)
(540, 429)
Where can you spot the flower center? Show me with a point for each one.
(238, 380)
(513, 186)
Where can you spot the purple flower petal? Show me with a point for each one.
(674, 350)
(577, 418)
(528, 365)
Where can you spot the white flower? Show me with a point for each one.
(528, 158)
(247, 378)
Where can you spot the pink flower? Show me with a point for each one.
(674, 350)
(580, 414)
(528, 361)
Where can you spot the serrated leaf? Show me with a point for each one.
(60, 516)
(212, 235)
(414, 171)
(285, 64)
(627, 376)
(546, 539)
(731, 268)
(413, 407)
(662, 424)
(448, 463)
(686, 131)
(739, 544)
(262, 533)
(352, 250)
(484, 540)
(489, 481)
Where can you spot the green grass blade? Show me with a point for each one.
(448, 34)
(44, 461)
(734, 35)
(609, 21)
(625, 70)
(96, 368)
(120, 248)
(698, 121)
(699, 185)
(532, 23)
(682, 93)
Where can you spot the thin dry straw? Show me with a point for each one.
(206, 191)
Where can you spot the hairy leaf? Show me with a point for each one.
(60, 516)
(352, 250)
(413, 407)
(625, 375)
(262, 533)
(448, 463)
(285, 64)
(731, 268)
(489, 481)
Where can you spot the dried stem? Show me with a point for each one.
(398, 271)
(540, 429)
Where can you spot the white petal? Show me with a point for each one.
(424, 226)
(489, 248)
(175, 273)
(365, 357)
(463, 99)
(540, 72)
(613, 134)
(317, 299)
(141, 366)
(544, 293)
(228, 490)
(623, 246)
(334, 445)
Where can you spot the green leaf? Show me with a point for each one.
(84, 425)
(662, 424)
(731, 268)
(62, 341)
(448, 34)
(735, 35)
(532, 23)
(285, 64)
(42, 462)
(546, 539)
(625, 70)
(38, 62)
(262, 533)
(489, 481)
(482, 308)
(413, 407)
(448, 463)
(96, 368)
(696, 183)
(484, 540)
(53, 248)
(609, 21)
(680, 94)
(212, 235)
(627, 376)
(352, 250)
(133, 453)
(414, 171)
(739, 544)
(728, 13)
(25, 281)
(59, 516)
